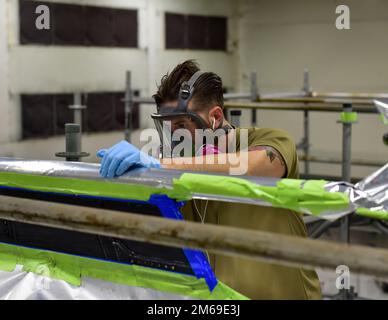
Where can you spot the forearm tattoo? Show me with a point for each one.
(271, 153)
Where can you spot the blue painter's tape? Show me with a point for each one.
(169, 208)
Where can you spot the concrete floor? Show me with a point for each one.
(365, 286)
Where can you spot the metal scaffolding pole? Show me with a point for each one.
(306, 123)
(306, 141)
(254, 95)
(128, 100)
(258, 245)
(346, 175)
(346, 165)
(77, 108)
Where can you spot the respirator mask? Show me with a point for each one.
(180, 143)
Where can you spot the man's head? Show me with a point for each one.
(207, 100)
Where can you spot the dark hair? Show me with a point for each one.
(208, 88)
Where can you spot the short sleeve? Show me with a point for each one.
(279, 140)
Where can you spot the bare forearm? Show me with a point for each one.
(213, 163)
(255, 163)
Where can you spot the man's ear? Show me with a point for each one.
(217, 114)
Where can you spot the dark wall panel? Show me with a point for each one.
(70, 26)
(99, 26)
(175, 31)
(126, 26)
(197, 32)
(37, 115)
(79, 25)
(100, 112)
(45, 115)
(217, 33)
(120, 112)
(28, 31)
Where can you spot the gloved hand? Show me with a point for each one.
(121, 157)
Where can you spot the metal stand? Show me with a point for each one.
(73, 143)
(305, 143)
(128, 100)
(346, 164)
(346, 174)
(77, 107)
(235, 116)
(254, 95)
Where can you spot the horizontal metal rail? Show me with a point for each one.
(231, 241)
(326, 101)
(333, 160)
(350, 95)
(297, 107)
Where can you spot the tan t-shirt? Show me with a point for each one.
(260, 280)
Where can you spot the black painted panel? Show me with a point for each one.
(37, 115)
(197, 32)
(70, 26)
(217, 33)
(126, 28)
(99, 26)
(175, 31)
(28, 31)
(79, 25)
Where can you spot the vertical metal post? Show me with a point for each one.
(347, 108)
(254, 95)
(306, 122)
(235, 117)
(77, 112)
(346, 165)
(306, 82)
(73, 143)
(77, 108)
(128, 99)
(306, 140)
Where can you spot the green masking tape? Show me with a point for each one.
(349, 117)
(72, 268)
(97, 188)
(288, 193)
(380, 214)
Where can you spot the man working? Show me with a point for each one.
(190, 99)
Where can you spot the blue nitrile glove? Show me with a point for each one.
(121, 157)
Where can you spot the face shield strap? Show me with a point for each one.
(186, 92)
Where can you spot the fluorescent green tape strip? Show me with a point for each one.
(99, 188)
(349, 117)
(72, 268)
(288, 193)
(381, 215)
